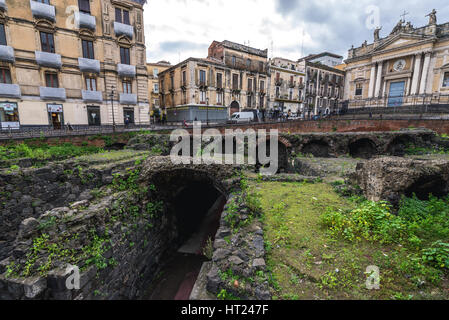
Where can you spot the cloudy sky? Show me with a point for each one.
(179, 29)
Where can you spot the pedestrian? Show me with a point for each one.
(126, 122)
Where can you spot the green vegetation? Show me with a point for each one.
(44, 151)
(319, 244)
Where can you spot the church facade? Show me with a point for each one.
(408, 67)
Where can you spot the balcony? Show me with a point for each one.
(84, 20)
(10, 90)
(128, 98)
(7, 54)
(126, 70)
(3, 5)
(279, 82)
(92, 96)
(292, 84)
(48, 93)
(47, 59)
(42, 10)
(89, 65)
(122, 29)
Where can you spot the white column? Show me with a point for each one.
(416, 73)
(425, 71)
(378, 80)
(372, 81)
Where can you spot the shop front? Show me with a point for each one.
(9, 116)
(55, 116)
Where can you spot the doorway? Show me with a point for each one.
(396, 95)
(128, 115)
(93, 116)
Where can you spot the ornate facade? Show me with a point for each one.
(287, 85)
(64, 62)
(233, 77)
(324, 84)
(410, 66)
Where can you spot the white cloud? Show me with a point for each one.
(178, 29)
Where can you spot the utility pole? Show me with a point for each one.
(112, 102)
(207, 110)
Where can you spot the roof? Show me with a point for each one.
(322, 54)
(240, 47)
(324, 67)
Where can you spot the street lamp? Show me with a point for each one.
(207, 110)
(112, 102)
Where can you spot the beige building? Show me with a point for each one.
(234, 77)
(75, 61)
(287, 84)
(410, 66)
(153, 84)
(324, 84)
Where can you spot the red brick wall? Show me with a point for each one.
(439, 126)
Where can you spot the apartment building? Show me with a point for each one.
(324, 84)
(78, 62)
(286, 86)
(232, 78)
(153, 84)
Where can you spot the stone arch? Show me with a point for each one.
(433, 184)
(363, 148)
(318, 148)
(398, 145)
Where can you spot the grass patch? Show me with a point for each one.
(310, 257)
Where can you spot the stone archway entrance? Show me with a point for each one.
(234, 107)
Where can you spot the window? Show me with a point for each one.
(127, 86)
(125, 56)
(88, 49)
(278, 93)
(202, 77)
(184, 78)
(262, 86)
(220, 98)
(155, 73)
(235, 81)
(84, 6)
(122, 16)
(446, 79)
(249, 101)
(202, 96)
(260, 66)
(47, 42)
(91, 84)
(233, 60)
(172, 81)
(2, 35)
(219, 80)
(358, 89)
(5, 76)
(248, 63)
(261, 102)
(250, 85)
(51, 80)
(156, 88)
